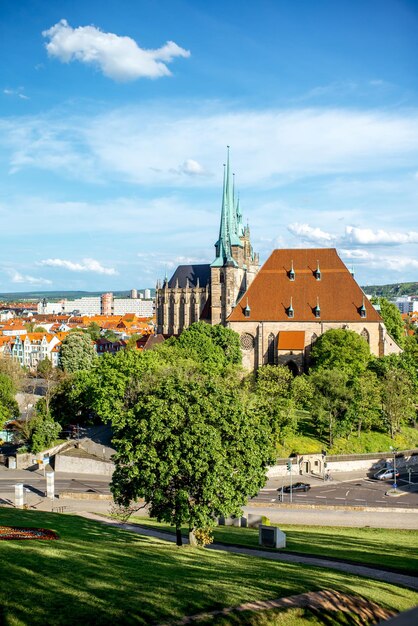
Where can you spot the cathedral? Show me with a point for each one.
(279, 310)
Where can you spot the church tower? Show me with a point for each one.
(235, 264)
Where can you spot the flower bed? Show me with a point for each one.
(17, 532)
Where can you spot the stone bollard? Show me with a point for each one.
(19, 496)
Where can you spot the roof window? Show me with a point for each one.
(291, 272)
(317, 272)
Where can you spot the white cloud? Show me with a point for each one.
(17, 277)
(308, 233)
(87, 265)
(119, 58)
(144, 145)
(367, 236)
(357, 255)
(192, 168)
(16, 92)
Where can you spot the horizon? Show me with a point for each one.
(115, 121)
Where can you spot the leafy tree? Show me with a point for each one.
(393, 320)
(131, 343)
(366, 407)
(77, 353)
(273, 397)
(51, 375)
(110, 335)
(341, 349)
(213, 346)
(398, 400)
(330, 403)
(13, 370)
(8, 406)
(29, 326)
(190, 446)
(72, 401)
(39, 329)
(44, 430)
(93, 329)
(302, 391)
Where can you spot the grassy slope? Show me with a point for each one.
(100, 575)
(307, 443)
(372, 546)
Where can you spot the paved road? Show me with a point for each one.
(345, 490)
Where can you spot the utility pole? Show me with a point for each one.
(289, 469)
(395, 485)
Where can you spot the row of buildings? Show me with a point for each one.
(33, 339)
(140, 304)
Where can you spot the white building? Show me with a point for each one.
(142, 308)
(407, 304)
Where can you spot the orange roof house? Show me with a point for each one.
(297, 295)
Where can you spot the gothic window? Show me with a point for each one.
(270, 350)
(365, 334)
(247, 341)
(313, 339)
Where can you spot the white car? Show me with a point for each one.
(386, 474)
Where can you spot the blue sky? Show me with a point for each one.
(115, 116)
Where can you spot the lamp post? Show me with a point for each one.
(394, 466)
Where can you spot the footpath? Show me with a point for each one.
(393, 578)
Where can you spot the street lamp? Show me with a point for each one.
(394, 450)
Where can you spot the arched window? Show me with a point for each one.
(293, 367)
(270, 350)
(247, 341)
(313, 339)
(365, 334)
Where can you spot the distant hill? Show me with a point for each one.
(34, 296)
(392, 291)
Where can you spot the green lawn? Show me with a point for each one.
(373, 546)
(101, 575)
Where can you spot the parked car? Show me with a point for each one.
(386, 474)
(295, 487)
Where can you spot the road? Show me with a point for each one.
(347, 489)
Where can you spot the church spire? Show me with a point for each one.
(227, 230)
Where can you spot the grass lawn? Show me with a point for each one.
(101, 575)
(372, 546)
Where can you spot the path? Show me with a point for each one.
(393, 578)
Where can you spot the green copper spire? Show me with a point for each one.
(228, 230)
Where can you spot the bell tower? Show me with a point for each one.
(235, 264)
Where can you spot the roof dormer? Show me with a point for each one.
(247, 310)
(291, 273)
(317, 272)
(317, 309)
(290, 310)
(362, 310)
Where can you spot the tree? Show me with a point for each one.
(39, 329)
(273, 397)
(366, 407)
(331, 401)
(93, 329)
(398, 400)
(190, 446)
(110, 335)
(8, 406)
(72, 401)
(44, 430)
(341, 349)
(77, 353)
(214, 346)
(393, 320)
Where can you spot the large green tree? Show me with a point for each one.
(77, 352)
(393, 320)
(398, 400)
(331, 402)
(273, 397)
(191, 446)
(341, 349)
(8, 405)
(213, 346)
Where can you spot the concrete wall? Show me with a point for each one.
(81, 465)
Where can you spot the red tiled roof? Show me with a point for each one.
(271, 292)
(291, 340)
